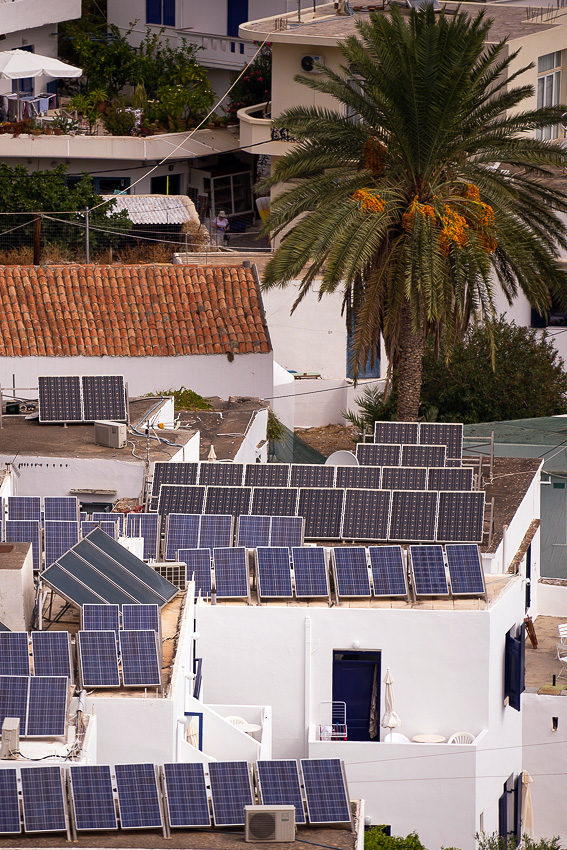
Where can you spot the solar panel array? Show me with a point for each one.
(39, 701)
(141, 617)
(139, 658)
(25, 531)
(231, 572)
(279, 785)
(52, 654)
(60, 399)
(448, 434)
(107, 526)
(74, 398)
(104, 397)
(197, 531)
(24, 508)
(254, 531)
(310, 572)
(351, 571)
(101, 618)
(428, 571)
(9, 802)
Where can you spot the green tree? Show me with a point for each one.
(108, 61)
(403, 209)
(376, 839)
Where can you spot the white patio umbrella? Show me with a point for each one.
(20, 64)
(527, 808)
(389, 719)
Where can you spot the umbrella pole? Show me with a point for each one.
(18, 105)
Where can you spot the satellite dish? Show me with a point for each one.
(342, 458)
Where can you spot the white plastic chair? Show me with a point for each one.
(561, 656)
(461, 738)
(562, 632)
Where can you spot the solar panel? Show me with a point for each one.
(388, 573)
(104, 397)
(286, 531)
(428, 570)
(43, 799)
(25, 531)
(9, 805)
(279, 785)
(231, 572)
(186, 795)
(221, 474)
(323, 513)
(51, 654)
(14, 654)
(423, 455)
(98, 659)
(312, 475)
(108, 527)
(198, 566)
(266, 475)
(144, 525)
(274, 501)
(351, 571)
(138, 796)
(60, 399)
(228, 500)
(461, 516)
(215, 531)
(47, 706)
(453, 461)
(325, 791)
(465, 569)
(359, 477)
(14, 699)
(172, 473)
(101, 618)
(404, 478)
(446, 478)
(110, 516)
(445, 434)
(140, 658)
(182, 533)
(141, 617)
(231, 790)
(378, 454)
(366, 515)
(253, 531)
(310, 571)
(92, 797)
(274, 575)
(180, 499)
(396, 432)
(59, 536)
(414, 515)
(65, 508)
(24, 507)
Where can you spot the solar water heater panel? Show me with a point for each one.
(109, 528)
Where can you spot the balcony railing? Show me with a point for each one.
(219, 51)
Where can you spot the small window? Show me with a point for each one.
(111, 185)
(166, 184)
(161, 12)
(549, 89)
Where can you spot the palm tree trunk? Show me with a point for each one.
(409, 362)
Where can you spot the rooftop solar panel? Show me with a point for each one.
(231, 572)
(228, 500)
(141, 617)
(404, 478)
(323, 513)
(43, 799)
(366, 514)
(59, 537)
(310, 571)
(108, 527)
(423, 455)
(106, 578)
(172, 473)
(182, 533)
(266, 475)
(47, 706)
(279, 785)
(215, 531)
(180, 499)
(443, 433)
(138, 796)
(414, 515)
(253, 531)
(465, 569)
(104, 397)
(274, 574)
(14, 654)
(286, 531)
(461, 516)
(60, 399)
(144, 525)
(101, 618)
(274, 501)
(231, 790)
(140, 659)
(221, 474)
(388, 572)
(378, 454)
(325, 791)
(450, 478)
(14, 699)
(25, 531)
(110, 516)
(98, 659)
(51, 654)
(69, 587)
(351, 571)
(198, 567)
(359, 477)
(24, 507)
(396, 432)
(9, 804)
(64, 508)
(312, 475)
(92, 797)
(186, 795)
(428, 571)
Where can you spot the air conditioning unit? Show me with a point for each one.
(308, 61)
(269, 823)
(112, 434)
(10, 738)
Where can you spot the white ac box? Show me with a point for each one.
(112, 434)
(10, 738)
(269, 823)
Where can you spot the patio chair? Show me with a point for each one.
(562, 656)
(562, 632)
(461, 738)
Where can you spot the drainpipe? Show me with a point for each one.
(307, 680)
(504, 548)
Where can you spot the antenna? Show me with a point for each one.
(298, 11)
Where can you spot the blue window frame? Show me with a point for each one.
(161, 12)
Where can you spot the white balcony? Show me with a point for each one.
(22, 14)
(220, 51)
(257, 134)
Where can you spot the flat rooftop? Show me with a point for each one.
(542, 663)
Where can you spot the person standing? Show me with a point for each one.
(222, 225)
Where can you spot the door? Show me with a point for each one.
(237, 13)
(356, 682)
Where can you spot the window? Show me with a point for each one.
(161, 12)
(549, 89)
(356, 684)
(555, 318)
(166, 184)
(111, 185)
(232, 193)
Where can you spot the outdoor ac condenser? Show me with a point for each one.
(269, 823)
(112, 434)
(10, 738)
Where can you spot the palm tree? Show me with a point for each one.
(402, 208)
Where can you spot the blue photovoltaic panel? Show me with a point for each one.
(64, 508)
(83, 516)
(138, 796)
(25, 531)
(60, 398)
(228, 500)
(413, 515)
(388, 572)
(274, 501)
(92, 796)
(274, 574)
(180, 499)
(107, 526)
(266, 475)
(198, 566)
(359, 477)
(323, 513)
(172, 473)
(312, 475)
(396, 432)
(443, 433)
(59, 536)
(404, 478)
(43, 800)
(9, 805)
(140, 658)
(110, 516)
(461, 517)
(450, 478)
(140, 617)
(428, 569)
(279, 785)
(286, 531)
(325, 791)
(231, 572)
(366, 514)
(423, 455)
(101, 618)
(14, 699)
(104, 397)
(221, 474)
(310, 571)
(215, 531)
(98, 659)
(351, 571)
(51, 654)
(14, 654)
(378, 454)
(253, 531)
(186, 794)
(24, 507)
(182, 533)
(47, 708)
(465, 569)
(231, 790)
(147, 526)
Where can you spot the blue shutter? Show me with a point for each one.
(514, 667)
(518, 807)
(168, 13)
(236, 14)
(153, 11)
(503, 816)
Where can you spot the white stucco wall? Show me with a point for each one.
(545, 755)
(17, 594)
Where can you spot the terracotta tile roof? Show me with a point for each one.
(130, 311)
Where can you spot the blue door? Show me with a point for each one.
(237, 13)
(356, 682)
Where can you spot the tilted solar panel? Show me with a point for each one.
(182, 533)
(231, 572)
(14, 699)
(414, 515)
(110, 516)
(266, 475)
(47, 706)
(221, 474)
(461, 516)
(465, 569)
(24, 507)
(450, 478)
(388, 572)
(25, 531)
(322, 510)
(60, 398)
(351, 571)
(138, 796)
(378, 454)
(231, 790)
(9, 804)
(108, 527)
(186, 794)
(366, 514)
(279, 785)
(428, 571)
(180, 499)
(92, 797)
(448, 434)
(198, 567)
(59, 537)
(172, 473)
(51, 654)
(253, 531)
(325, 791)
(359, 477)
(63, 508)
(140, 658)
(43, 799)
(286, 531)
(423, 455)
(396, 432)
(310, 571)
(274, 501)
(14, 654)
(228, 500)
(104, 397)
(312, 475)
(141, 617)
(145, 525)
(101, 618)
(404, 478)
(274, 573)
(98, 659)
(215, 531)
